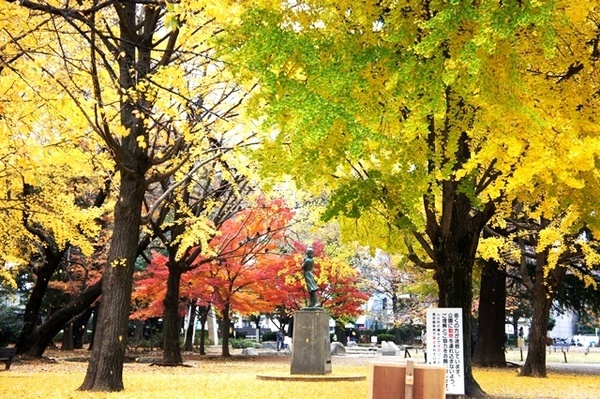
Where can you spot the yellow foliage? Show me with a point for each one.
(119, 262)
(198, 232)
(7, 278)
(492, 248)
(549, 237)
(591, 255)
(223, 379)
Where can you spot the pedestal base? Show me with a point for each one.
(311, 349)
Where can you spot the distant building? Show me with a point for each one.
(565, 326)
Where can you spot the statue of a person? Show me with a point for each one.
(309, 277)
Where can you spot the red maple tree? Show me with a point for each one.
(242, 276)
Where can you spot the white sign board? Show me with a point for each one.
(445, 346)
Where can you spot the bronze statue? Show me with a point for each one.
(309, 277)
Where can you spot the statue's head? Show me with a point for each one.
(309, 251)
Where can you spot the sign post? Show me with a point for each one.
(445, 346)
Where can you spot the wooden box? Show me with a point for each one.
(407, 381)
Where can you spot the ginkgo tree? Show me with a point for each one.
(421, 117)
(545, 254)
(555, 219)
(136, 76)
(53, 193)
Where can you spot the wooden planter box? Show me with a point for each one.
(407, 381)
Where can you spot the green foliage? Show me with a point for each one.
(10, 324)
(385, 337)
(241, 343)
(390, 117)
(155, 340)
(269, 336)
(198, 336)
(404, 332)
(576, 295)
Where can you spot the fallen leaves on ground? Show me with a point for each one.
(213, 377)
(505, 384)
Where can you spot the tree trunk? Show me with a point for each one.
(340, 332)
(455, 245)
(105, 369)
(203, 319)
(68, 344)
(515, 324)
(94, 325)
(535, 364)
(188, 345)
(291, 328)
(454, 280)
(543, 290)
(225, 331)
(40, 338)
(171, 319)
(138, 335)
(34, 302)
(203, 313)
(80, 328)
(489, 348)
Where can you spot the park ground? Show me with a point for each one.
(212, 377)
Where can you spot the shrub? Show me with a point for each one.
(11, 323)
(385, 337)
(240, 343)
(154, 341)
(269, 336)
(197, 336)
(404, 333)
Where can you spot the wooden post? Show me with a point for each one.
(409, 380)
(521, 349)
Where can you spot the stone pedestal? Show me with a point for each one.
(311, 350)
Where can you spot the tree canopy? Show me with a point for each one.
(425, 119)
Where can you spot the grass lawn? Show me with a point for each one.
(216, 378)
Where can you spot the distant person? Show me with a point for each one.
(280, 337)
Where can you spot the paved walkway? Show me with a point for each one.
(574, 368)
(364, 354)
